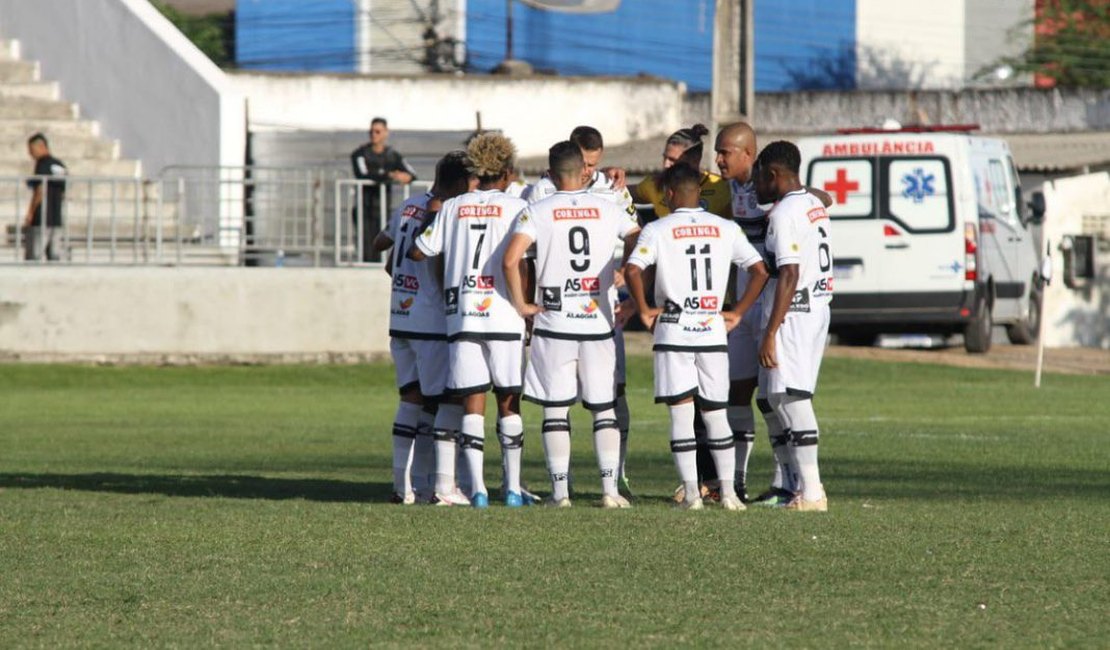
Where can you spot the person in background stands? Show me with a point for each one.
(38, 237)
(377, 161)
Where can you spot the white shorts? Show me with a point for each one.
(420, 363)
(621, 370)
(704, 375)
(799, 346)
(743, 345)
(477, 366)
(560, 371)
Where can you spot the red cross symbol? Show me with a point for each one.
(842, 186)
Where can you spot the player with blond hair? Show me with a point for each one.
(484, 332)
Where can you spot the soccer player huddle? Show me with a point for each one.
(483, 278)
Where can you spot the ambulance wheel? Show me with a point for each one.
(1024, 331)
(977, 334)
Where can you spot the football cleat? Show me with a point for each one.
(773, 498)
(406, 500)
(625, 487)
(452, 498)
(614, 502)
(480, 500)
(513, 500)
(732, 503)
(696, 504)
(799, 504)
(560, 503)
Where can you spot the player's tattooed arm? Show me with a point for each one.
(823, 197)
(784, 295)
(759, 277)
(634, 276)
(514, 278)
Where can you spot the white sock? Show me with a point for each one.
(556, 447)
(446, 432)
(424, 455)
(607, 443)
(472, 439)
(510, 432)
(718, 437)
(804, 435)
(741, 421)
(780, 447)
(685, 447)
(404, 436)
(624, 424)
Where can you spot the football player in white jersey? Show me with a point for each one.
(607, 183)
(693, 252)
(797, 318)
(573, 354)
(418, 334)
(484, 332)
(736, 149)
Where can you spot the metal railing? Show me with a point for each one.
(356, 224)
(250, 216)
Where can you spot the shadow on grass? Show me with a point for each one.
(227, 486)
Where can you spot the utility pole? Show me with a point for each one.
(733, 94)
(363, 43)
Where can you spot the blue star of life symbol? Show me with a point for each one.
(918, 185)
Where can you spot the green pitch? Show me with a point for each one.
(245, 506)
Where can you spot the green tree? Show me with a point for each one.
(1071, 45)
(210, 33)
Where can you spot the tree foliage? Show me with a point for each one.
(1071, 44)
(210, 33)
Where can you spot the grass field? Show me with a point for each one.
(194, 507)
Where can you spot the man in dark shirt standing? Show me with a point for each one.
(377, 161)
(39, 234)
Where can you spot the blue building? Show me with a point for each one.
(799, 44)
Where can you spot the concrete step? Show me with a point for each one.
(12, 71)
(127, 252)
(44, 90)
(36, 109)
(22, 128)
(65, 148)
(78, 167)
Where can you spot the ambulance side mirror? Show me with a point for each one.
(1036, 208)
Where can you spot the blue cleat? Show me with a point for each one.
(480, 500)
(513, 500)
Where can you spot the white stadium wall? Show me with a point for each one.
(1079, 315)
(192, 314)
(527, 109)
(133, 72)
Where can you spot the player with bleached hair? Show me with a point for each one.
(573, 353)
(692, 251)
(797, 318)
(484, 332)
(418, 336)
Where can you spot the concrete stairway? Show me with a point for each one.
(28, 105)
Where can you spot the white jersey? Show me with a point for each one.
(470, 231)
(752, 219)
(799, 233)
(416, 306)
(599, 184)
(575, 233)
(692, 251)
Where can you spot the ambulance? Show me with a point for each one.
(930, 234)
